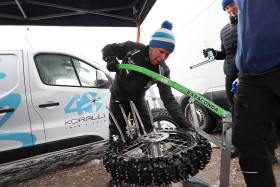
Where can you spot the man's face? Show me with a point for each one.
(158, 55)
(232, 9)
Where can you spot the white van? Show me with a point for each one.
(50, 100)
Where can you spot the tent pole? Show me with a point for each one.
(21, 9)
(138, 31)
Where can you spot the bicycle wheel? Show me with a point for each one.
(159, 158)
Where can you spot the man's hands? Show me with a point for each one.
(205, 52)
(112, 63)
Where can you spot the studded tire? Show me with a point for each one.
(181, 155)
(162, 118)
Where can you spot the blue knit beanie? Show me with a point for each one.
(226, 2)
(163, 37)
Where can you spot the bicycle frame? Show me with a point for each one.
(193, 95)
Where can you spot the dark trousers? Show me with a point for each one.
(142, 110)
(256, 104)
(230, 95)
(272, 136)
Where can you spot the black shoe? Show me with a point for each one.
(272, 157)
(233, 152)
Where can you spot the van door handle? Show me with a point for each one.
(6, 110)
(48, 105)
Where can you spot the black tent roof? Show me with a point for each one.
(102, 13)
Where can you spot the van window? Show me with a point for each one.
(86, 73)
(56, 70)
(62, 70)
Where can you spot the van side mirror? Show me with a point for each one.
(102, 80)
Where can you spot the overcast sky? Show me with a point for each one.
(196, 23)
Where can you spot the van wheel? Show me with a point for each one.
(206, 122)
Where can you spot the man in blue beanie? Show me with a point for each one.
(133, 85)
(257, 99)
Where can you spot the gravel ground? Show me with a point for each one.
(93, 174)
(211, 172)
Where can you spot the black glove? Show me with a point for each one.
(205, 52)
(112, 64)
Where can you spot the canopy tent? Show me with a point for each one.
(102, 13)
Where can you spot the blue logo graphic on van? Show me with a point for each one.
(24, 138)
(89, 102)
(11, 101)
(2, 75)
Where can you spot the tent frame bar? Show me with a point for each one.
(21, 9)
(76, 11)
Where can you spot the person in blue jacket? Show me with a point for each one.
(257, 98)
(228, 52)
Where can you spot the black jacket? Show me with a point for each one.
(229, 46)
(132, 86)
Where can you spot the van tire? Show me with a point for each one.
(206, 122)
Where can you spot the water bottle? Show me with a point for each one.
(210, 55)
